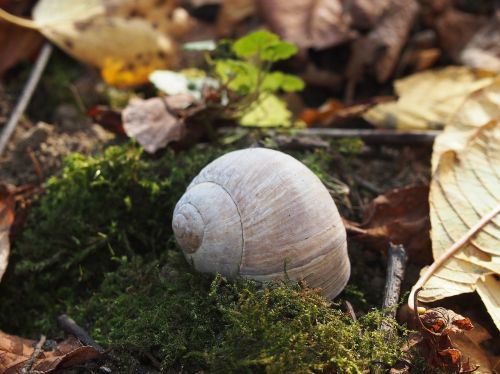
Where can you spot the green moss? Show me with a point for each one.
(188, 322)
(98, 245)
(100, 209)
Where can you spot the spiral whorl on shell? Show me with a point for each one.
(259, 213)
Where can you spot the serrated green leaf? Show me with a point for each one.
(279, 81)
(267, 111)
(292, 83)
(239, 76)
(264, 44)
(253, 43)
(278, 51)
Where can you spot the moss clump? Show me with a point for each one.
(99, 209)
(185, 321)
(98, 245)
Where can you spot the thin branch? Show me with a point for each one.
(34, 355)
(449, 253)
(25, 98)
(375, 136)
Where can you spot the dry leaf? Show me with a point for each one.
(233, 12)
(483, 50)
(308, 23)
(127, 39)
(427, 100)
(479, 107)
(16, 351)
(333, 111)
(455, 29)
(155, 122)
(465, 187)
(436, 327)
(400, 216)
(7, 206)
(17, 44)
(381, 47)
(366, 13)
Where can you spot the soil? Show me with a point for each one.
(35, 151)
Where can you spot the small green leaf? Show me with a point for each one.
(278, 51)
(264, 44)
(239, 76)
(267, 111)
(277, 80)
(292, 83)
(254, 43)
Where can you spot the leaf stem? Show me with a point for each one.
(19, 21)
(449, 252)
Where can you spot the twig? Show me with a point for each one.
(367, 185)
(395, 273)
(449, 252)
(25, 98)
(31, 361)
(36, 164)
(68, 325)
(373, 136)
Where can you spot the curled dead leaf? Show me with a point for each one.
(156, 122)
(435, 327)
(399, 216)
(15, 353)
(308, 23)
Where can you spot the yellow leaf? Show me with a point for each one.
(479, 108)
(127, 39)
(466, 187)
(427, 100)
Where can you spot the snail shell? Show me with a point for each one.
(262, 214)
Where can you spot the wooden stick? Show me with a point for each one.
(25, 98)
(396, 267)
(374, 136)
(68, 325)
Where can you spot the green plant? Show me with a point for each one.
(249, 83)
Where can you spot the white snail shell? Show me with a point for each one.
(262, 214)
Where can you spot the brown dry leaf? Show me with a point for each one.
(17, 44)
(381, 47)
(455, 29)
(308, 23)
(470, 346)
(16, 351)
(366, 13)
(127, 39)
(483, 50)
(400, 216)
(7, 207)
(155, 122)
(428, 99)
(464, 189)
(433, 338)
(334, 110)
(233, 12)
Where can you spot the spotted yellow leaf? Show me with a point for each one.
(127, 39)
